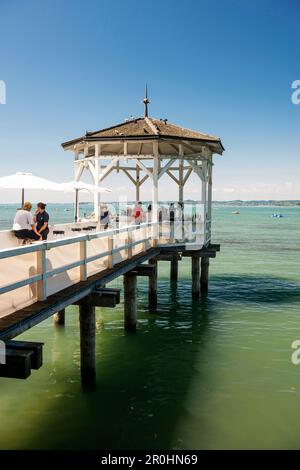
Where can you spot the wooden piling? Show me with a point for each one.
(59, 317)
(152, 292)
(87, 320)
(204, 274)
(195, 276)
(174, 268)
(130, 283)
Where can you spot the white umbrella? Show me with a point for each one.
(80, 186)
(27, 181)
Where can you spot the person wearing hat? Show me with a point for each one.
(42, 220)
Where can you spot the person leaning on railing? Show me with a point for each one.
(23, 225)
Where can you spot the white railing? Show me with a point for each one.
(36, 271)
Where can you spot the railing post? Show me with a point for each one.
(129, 243)
(145, 235)
(110, 259)
(41, 269)
(82, 255)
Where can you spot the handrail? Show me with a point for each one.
(41, 275)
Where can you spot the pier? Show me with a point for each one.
(91, 291)
(41, 280)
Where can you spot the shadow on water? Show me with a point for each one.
(142, 379)
(258, 289)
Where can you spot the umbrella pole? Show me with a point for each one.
(23, 197)
(76, 205)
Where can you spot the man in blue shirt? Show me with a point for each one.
(42, 220)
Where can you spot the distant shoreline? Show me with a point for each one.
(238, 202)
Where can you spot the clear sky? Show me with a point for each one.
(224, 67)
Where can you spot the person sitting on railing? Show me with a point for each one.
(24, 226)
(42, 220)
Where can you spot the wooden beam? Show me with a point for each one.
(18, 364)
(168, 257)
(36, 350)
(108, 169)
(144, 270)
(142, 181)
(104, 297)
(166, 168)
(187, 175)
(129, 176)
(173, 177)
(144, 168)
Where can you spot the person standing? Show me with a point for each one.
(138, 213)
(23, 225)
(42, 220)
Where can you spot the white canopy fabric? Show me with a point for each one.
(79, 186)
(27, 181)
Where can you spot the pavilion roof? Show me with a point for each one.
(146, 128)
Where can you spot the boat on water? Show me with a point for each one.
(236, 212)
(277, 216)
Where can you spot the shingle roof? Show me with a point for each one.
(145, 127)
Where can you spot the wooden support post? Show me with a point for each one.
(87, 321)
(174, 268)
(152, 293)
(130, 302)
(59, 317)
(204, 274)
(195, 276)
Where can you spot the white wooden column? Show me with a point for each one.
(180, 175)
(137, 184)
(96, 183)
(209, 195)
(155, 193)
(204, 196)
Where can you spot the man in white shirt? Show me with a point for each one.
(24, 226)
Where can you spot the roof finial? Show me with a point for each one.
(146, 102)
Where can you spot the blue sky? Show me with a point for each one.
(224, 67)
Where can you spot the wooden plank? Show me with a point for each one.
(168, 257)
(18, 364)
(36, 350)
(144, 270)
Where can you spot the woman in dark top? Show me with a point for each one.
(42, 220)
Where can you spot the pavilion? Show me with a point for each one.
(145, 148)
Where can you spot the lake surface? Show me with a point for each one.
(208, 374)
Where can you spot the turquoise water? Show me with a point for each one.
(207, 374)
